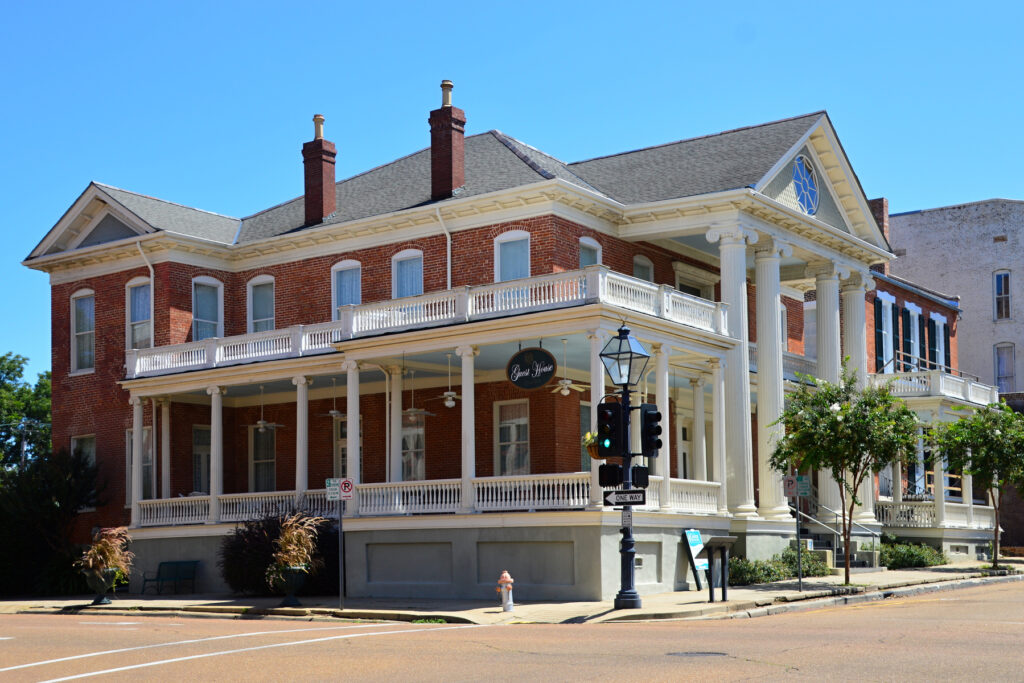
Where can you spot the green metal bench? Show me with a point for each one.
(176, 573)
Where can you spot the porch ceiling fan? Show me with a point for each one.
(565, 384)
(261, 424)
(449, 396)
(412, 411)
(334, 412)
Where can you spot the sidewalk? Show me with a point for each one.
(744, 601)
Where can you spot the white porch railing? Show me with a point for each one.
(937, 383)
(595, 284)
(409, 497)
(174, 511)
(696, 497)
(239, 507)
(532, 492)
(911, 514)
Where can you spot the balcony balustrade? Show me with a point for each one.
(937, 383)
(595, 284)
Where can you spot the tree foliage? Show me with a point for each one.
(988, 445)
(845, 431)
(24, 411)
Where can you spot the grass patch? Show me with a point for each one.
(429, 621)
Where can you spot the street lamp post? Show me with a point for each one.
(625, 361)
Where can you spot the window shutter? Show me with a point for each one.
(879, 355)
(932, 348)
(908, 340)
(896, 366)
(945, 334)
(922, 341)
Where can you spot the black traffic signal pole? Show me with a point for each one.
(627, 597)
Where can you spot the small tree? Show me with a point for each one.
(848, 432)
(989, 446)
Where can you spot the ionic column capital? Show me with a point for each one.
(860, 280)
(349, 365)
(731, 235)
(215, 390)
(696, 382)
(135, 401)
(826, 270)
(301, 380)
(466, 350)
(772, 248)
(598, 334)
(395, 370)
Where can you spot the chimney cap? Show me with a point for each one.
(318, 126)
(446, 93)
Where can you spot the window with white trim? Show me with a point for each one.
(888, 334)
(512, 437)
(1001, 294)
(511, 256)
(940, 341)
(590, 252)
(414, 467)
(915, 336)
(347, 285)
(83, 331)
(148, 471)
(341, 447)
(643, 268)
(407, 273)
(200, 458)
(138, 326)
(1004, 357)
(262, 459)
(784, 326)
(260, 308)
(207, 308)
(86, 446)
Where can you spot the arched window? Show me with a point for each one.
(207, 308)
(347, 284)
(511, 255)
(137, 306)
(260, 307)
(643, 268)
(83, 331)
(407, 273)
(590, 252)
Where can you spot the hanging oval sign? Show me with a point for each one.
(531, 368)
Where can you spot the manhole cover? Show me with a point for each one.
(696, 654)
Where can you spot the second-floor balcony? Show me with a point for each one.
(591, 285)
(937, 382)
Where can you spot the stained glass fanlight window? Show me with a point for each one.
(806, 187)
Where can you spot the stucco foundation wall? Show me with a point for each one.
(150, 552)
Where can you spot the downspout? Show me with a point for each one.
(152, 297)
(448, 238)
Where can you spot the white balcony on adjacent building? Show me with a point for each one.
(937, 383)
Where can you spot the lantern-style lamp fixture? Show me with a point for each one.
(624, 358)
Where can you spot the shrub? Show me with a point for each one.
(811, 564)
(295, 547)
(903, 555)
(744, 572)
(246, 553)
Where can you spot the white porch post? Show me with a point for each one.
(216, 451)
(769, 375)
(967, 496)
(165, 447)
(153, 447)
(719, 442)
(939, 489)
(897, 481)
(301, 437)
(661, 398)
(597, 340)
(467, 353)
(732, 247)
(353, 432)
(137, 431)
(395, 457)
(826, 280)
(855, 343)
(920, 478)
(699, 440)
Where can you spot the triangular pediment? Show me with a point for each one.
(95, 218)
(815, 178)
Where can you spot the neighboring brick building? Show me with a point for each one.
(233, 354)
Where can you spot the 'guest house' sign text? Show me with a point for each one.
(531, 368)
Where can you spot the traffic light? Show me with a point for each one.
(609, 430)
(609, 476)
(650, 430)
(641, 477)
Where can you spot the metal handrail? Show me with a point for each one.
(816, 521)
(839, 514)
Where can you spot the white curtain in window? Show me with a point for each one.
(85, 333)
(514, 439)
(263, 460)
(409, 277)
(413, 448)
(347, 287)
(588, 256)
(139, 316)
(205, 316)
(263, 307)
(201, 459)
(1004, 367)
(514, 260)
(147, 465)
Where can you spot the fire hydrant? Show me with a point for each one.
(505, 591)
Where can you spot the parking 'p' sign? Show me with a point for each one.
(347, 489)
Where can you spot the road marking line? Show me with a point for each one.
(182, 642)
(112, 623)
(6, 637)
(258, 647)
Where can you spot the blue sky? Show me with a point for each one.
(207, 104)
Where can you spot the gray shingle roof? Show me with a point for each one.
(173, 217)
(725, 161)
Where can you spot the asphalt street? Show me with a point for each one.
(968, 634)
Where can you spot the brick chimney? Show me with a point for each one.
(447, 149)
(318, 158)
(880, 210)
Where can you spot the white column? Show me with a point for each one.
(719, 441)
(732, 247)
(153, 447)
(769, 376)
(920, 477)
(967, 496)
(216, 451)
(597, 340)
(897, 481)
(395, 457)
(940, 488)
(137, 432)
(301, 437)
(826, 280)
(353, 447)
(467, 353)
(699, 440)
(165, 447)
(854, 324)
(661, 398)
